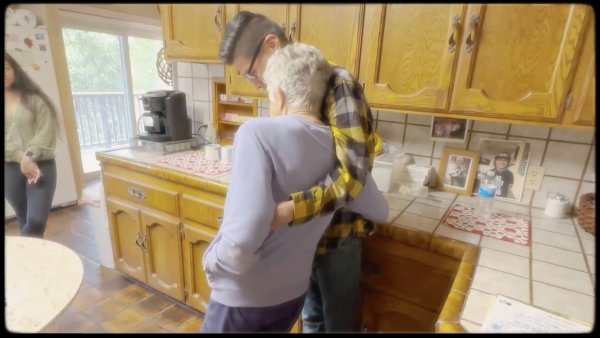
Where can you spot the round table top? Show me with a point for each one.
(41, 279)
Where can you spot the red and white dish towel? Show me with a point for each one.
(500, 226)
(196, 161)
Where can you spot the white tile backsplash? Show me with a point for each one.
(490, 127)
(216, 70)
(202, 112)
(390, 116)
(391, 132)
(565, 159)
(419, 119)
(417, 141)
(200, 70)
(529, 131)
(571, 135)
(201, 91)
(184, 69)
(439, 146)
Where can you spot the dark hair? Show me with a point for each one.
(28, 89)
(243, 34)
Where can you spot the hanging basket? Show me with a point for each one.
(586, 214)
(164, 67)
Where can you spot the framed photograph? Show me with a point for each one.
(509, 159)
(448, 129)
(457, 171)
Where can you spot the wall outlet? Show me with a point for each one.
(535, 175)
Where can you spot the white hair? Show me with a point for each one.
(301, 72)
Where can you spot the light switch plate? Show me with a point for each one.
(535, 175)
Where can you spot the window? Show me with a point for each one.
(111, 64)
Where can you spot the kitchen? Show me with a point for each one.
(555, 272)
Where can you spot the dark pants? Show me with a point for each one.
(31, 202)
(278, 318)
(333, 298)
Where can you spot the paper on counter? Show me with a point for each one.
(510, 316)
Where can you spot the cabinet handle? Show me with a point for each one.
(454, 34)
(143, 244)
(217, 18)
(138, 240)
(136, 193)
(472, 34)
(292, 31)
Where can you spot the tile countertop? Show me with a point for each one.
(555, 273)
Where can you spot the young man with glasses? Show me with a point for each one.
(333, 299)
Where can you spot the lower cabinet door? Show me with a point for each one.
(196, 239)
(162, 246)
(124, 221)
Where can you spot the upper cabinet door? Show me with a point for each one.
(192, 32)
(410, 52)
(335, 29)
(581, 102)
(236, 83)
(515, 61)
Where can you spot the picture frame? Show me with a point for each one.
(514, 157)
(457, 170)
(448, 129)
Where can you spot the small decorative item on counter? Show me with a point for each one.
(586, 214)
(557, 205)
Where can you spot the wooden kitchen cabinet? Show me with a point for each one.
(147, 246)
(236, 83)
(409, 52)
(339, 40)
(196, 239)
(581, 102)
(192, 32)
(516, 60)
(126, 235)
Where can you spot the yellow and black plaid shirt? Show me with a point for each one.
(351, 122)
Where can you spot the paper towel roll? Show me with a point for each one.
(11, 19)
(25, 18)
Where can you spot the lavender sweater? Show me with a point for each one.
(246, 264)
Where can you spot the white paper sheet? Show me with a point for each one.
(510, 316)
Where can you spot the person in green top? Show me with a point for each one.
(30, 130)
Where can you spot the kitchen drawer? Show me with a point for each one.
(145, 194)
(201, 211)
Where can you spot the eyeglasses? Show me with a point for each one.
(248, 74)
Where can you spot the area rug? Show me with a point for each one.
(500, 226)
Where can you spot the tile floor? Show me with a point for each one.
(108, 301)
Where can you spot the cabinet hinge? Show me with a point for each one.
(567, 102)
(185, 294)
(182, 234)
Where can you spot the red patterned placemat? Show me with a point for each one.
(500, 226)
(196, 162)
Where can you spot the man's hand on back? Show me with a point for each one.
(284, 214)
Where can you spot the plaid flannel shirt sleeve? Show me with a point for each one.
(351, 122)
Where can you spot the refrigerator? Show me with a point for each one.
(31, 48)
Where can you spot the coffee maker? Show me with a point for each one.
(165, 116)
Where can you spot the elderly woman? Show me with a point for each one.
(259, 278)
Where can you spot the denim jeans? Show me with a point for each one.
(332, 301)
(31, 202)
